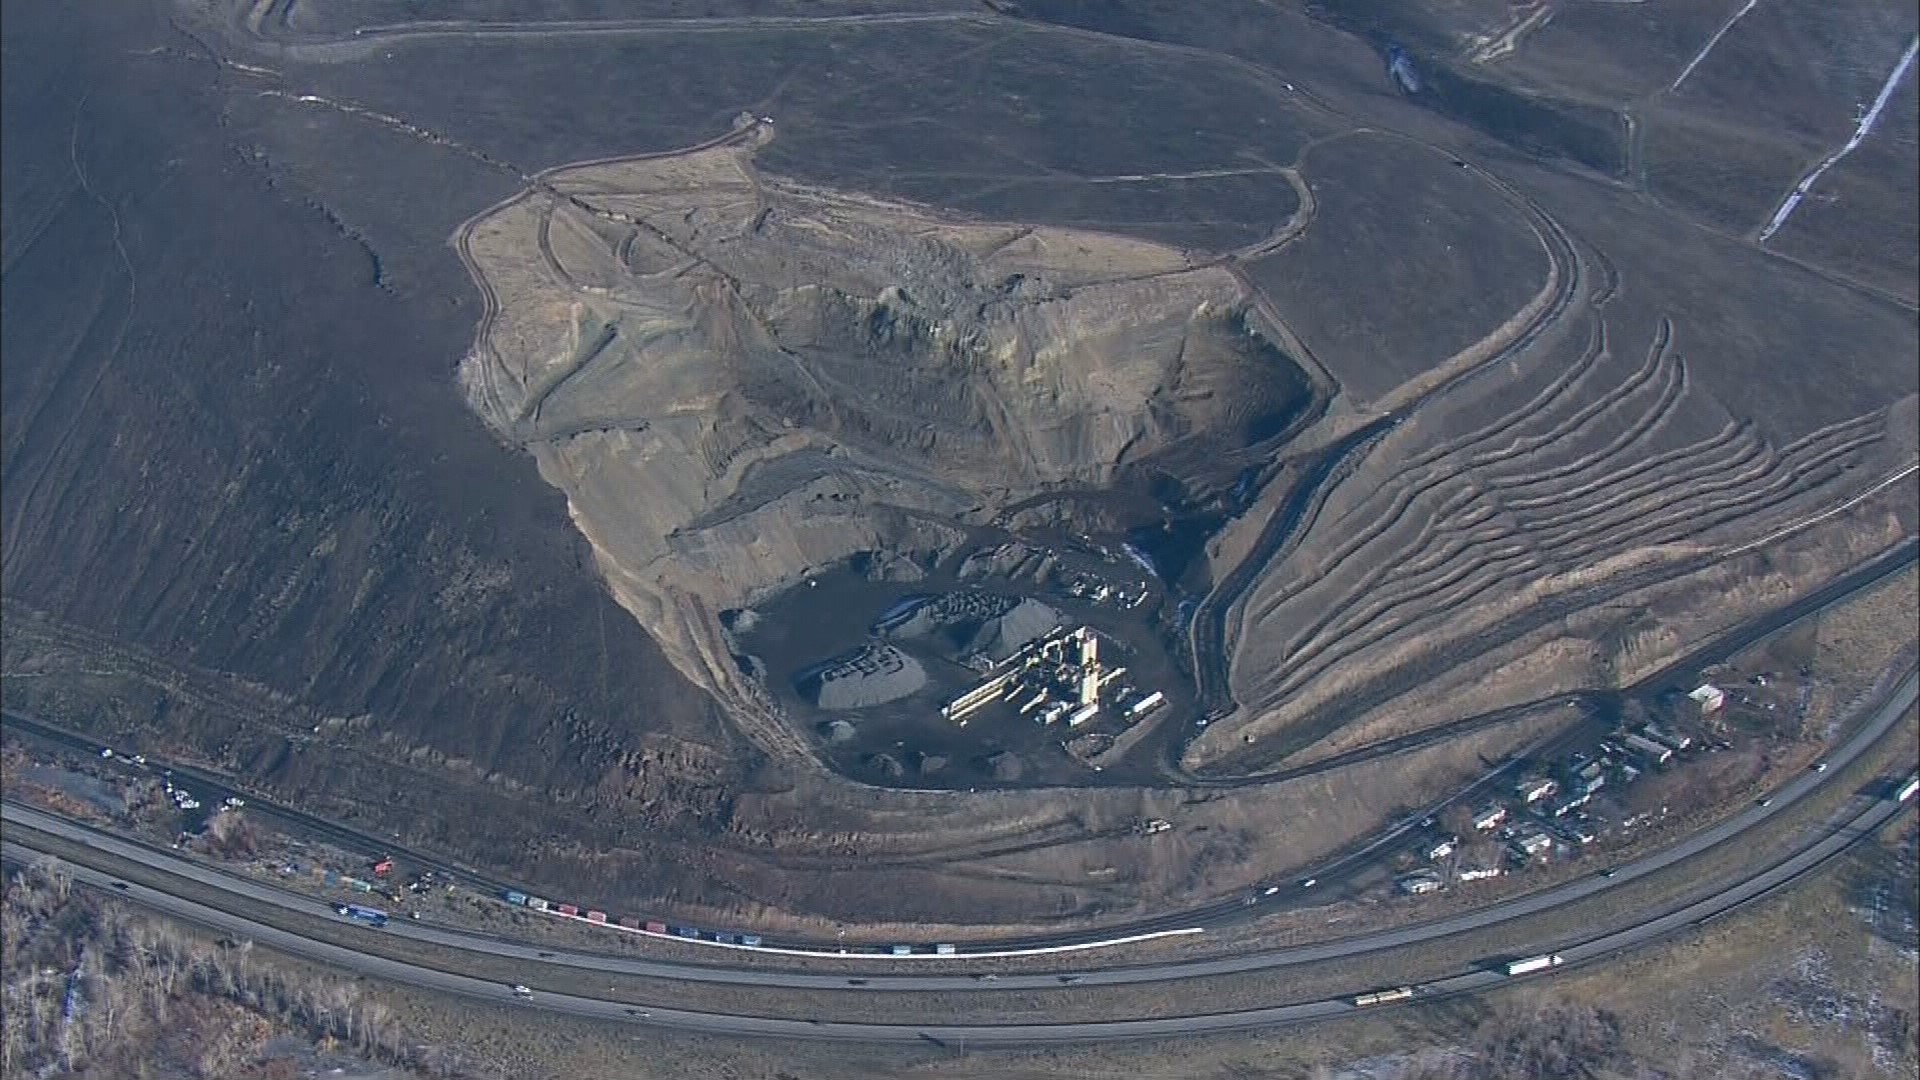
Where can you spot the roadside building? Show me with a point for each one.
(1668, 739)
(1709, 697)
(1489, 816)
(1590, 778)
(1648, 751)
(1419, 882)
(1535, 788)
(1441, 847)
(1568, 803)
(1529, 844)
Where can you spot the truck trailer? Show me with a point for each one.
(369, 916)
(1534, 963)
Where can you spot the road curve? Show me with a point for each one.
(1216, 913)
(1858, 822)
(1887, 714)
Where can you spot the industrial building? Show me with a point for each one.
(1056, 677)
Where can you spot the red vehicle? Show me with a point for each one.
(597, 916)
(567, 909)
(656, 928)
(383, 867)
(629, 922)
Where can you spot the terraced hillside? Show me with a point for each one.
(1584, 469)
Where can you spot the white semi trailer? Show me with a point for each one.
(1534, 963)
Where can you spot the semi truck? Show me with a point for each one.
(1534, 963)
(369, 916)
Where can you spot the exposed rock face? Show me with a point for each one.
(738, 382)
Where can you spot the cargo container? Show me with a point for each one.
(686, 932)
(724, 938)
(538, 904)
(629, 922)
(903, 950)
(567, 909)
(597, 916)
(656, 928)
(517, 899)
(1382, 997)
(750, 939)
(944, 950)
(1534, 963)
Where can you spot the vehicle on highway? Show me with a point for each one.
(1534, 963)
(106, 752)
(373, 917)
(1819, 766)
(522, 991)
(1383, 997)
(1608, 872)
(1767, 801)
(1270, 890)
(1071, 978)
(1310, 883)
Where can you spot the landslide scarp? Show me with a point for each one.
(738, 382)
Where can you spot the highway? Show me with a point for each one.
(1862, 814)
(213, 788)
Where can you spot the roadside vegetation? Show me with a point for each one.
(92, 990)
